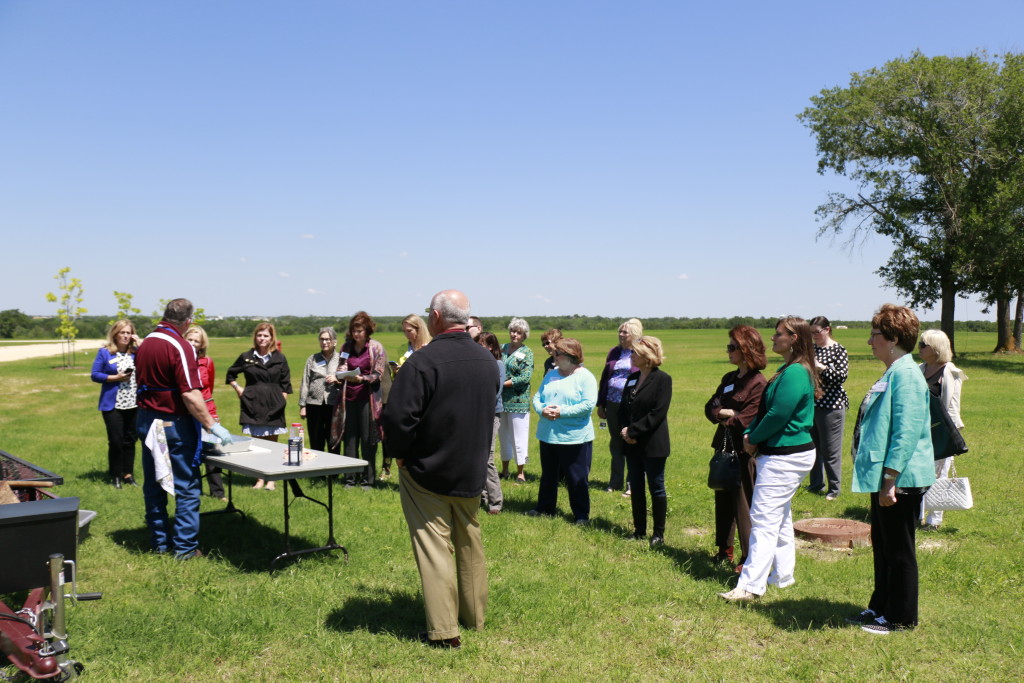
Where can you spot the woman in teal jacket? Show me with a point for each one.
(894, 463)
(780, 441)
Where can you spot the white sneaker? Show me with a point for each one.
(739, 595)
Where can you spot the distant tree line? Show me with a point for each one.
(16, 325)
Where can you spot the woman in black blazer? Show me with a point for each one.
(643, 412)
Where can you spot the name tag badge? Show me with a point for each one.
(631, 383)
(728, 388)
(879, 386)
(323, 362)
(344, 355)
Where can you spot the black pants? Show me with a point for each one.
(121, 438)
(318, 424)
(732, 510)
(574, 461)
(895, 554)
(359, 437)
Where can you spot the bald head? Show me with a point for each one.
(450, 308)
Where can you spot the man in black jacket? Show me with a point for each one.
(438, 424)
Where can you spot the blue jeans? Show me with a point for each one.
(182, 440)
(574, 460)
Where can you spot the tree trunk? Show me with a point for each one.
(1004, 341)
(948, 309)
(1018, 320)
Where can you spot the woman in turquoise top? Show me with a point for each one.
(564, 403)
(780, 441)
(894, 462)
(514, 422)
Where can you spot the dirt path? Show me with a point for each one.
(41, 350)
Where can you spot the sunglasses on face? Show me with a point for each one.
(922, 345)
(731, 347)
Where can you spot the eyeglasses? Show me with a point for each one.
(731, 347)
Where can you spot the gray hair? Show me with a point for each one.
(449, 312)
(939, 342)
(330, 333)
(178, 311)
(519, 325)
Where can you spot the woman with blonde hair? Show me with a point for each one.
(617, 367)
(416, 334)
(268, 381)
(197, 337)
(644, 419)
(945, 381)
(114, 369)
(779, 439)
(514, 424)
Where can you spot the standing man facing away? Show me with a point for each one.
(171, 409)
(438, 425)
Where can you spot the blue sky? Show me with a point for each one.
(613, 158)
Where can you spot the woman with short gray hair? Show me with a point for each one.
(320, 390)
(514, 425)
(945, 381)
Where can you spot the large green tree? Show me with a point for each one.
(925, 141)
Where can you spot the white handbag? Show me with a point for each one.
(953, 493)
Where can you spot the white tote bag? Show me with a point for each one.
(953, 493)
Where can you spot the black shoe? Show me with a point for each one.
(657, 541)
(116, 482)
(447, 643)
(639, 535)
(130, 481)
(883, 627)
(192, 554)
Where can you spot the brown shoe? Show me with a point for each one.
(446, 643)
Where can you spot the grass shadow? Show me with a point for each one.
(808, 614)
(379, 611)
(245, 543)
(699, 564)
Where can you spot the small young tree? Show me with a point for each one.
(125, 310)
(69, 309)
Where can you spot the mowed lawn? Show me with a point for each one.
(565, 603)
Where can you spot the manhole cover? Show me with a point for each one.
(845, 533)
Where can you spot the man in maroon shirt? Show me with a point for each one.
(171, 410)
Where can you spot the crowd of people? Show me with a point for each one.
(782, 429)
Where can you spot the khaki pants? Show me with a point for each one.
(449, 552)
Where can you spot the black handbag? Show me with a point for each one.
(724, 467)
(947, 440)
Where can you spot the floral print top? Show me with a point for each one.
(519, 369)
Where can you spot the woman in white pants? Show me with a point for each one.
(780, 441)
(945, 381)
(514, 422)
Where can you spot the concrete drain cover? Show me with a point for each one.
(844, 533)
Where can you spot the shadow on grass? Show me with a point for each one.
(244, 542)
(101, 476)
(808, 614)
(699, 564)
(380, 611)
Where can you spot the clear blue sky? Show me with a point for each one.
(616, 158)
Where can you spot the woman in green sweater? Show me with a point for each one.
(780, 441)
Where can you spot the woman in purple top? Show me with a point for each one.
(356, 420)
(617, 367)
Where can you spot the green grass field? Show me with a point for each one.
(565, 603)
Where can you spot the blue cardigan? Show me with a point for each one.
(102, 368)
(896, 431)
